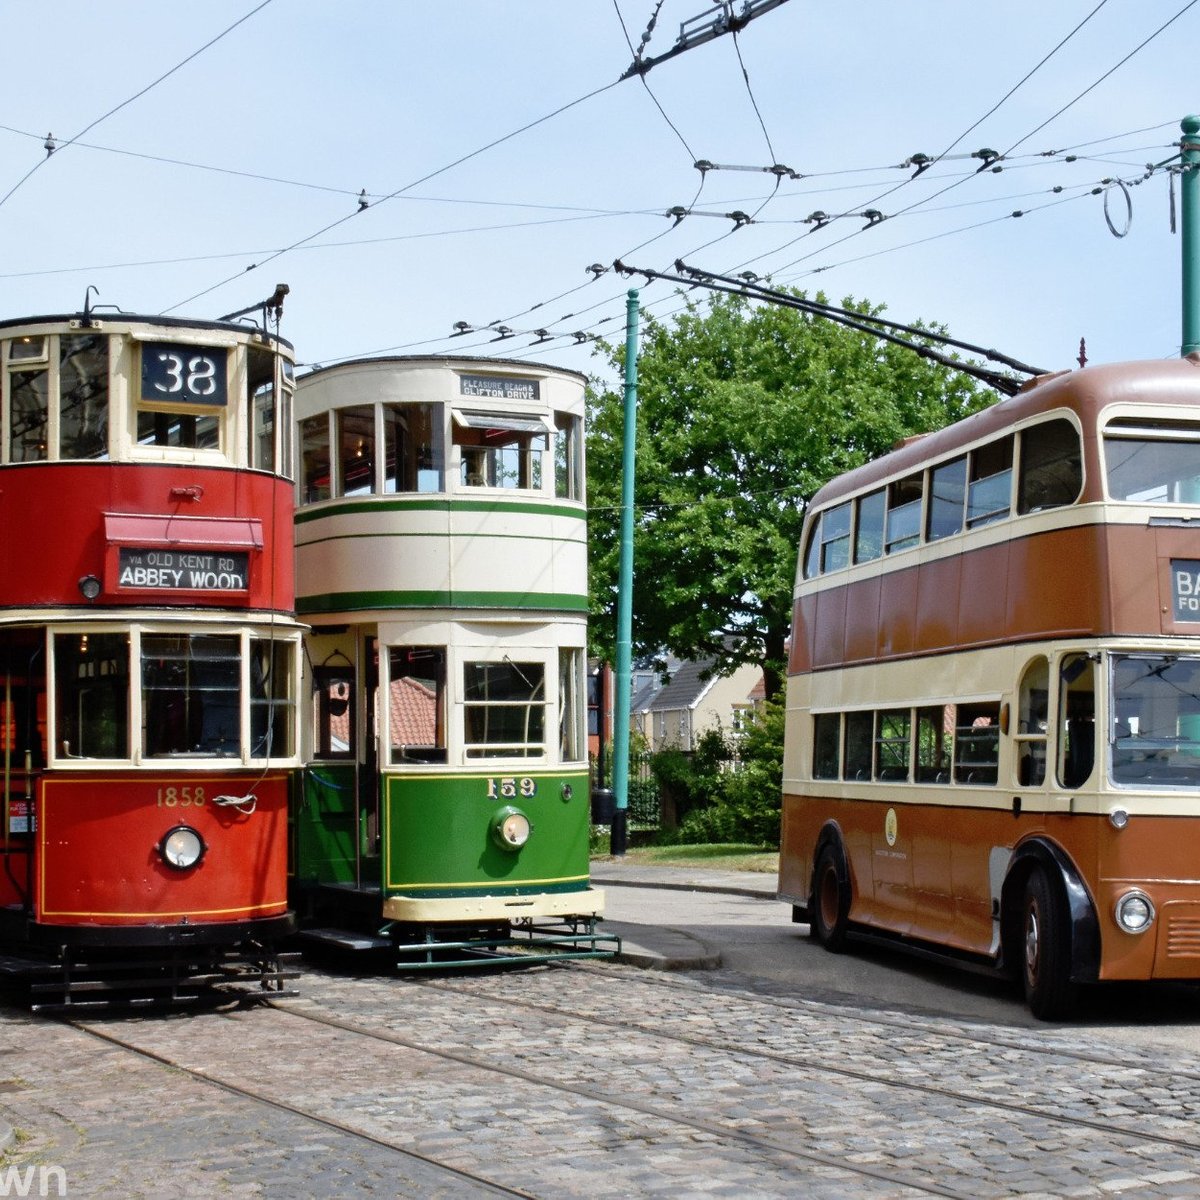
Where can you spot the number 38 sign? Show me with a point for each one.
(175, 374)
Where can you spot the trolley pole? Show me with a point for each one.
(1189, 148)
(620, 823)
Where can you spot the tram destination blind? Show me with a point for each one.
(191, 571)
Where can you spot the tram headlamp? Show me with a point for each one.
(181, 847)
(89, 587)
(1135, 912)
(510, 829)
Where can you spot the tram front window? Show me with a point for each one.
(417, 703)
(191, 691)
(91, 687)
(505, 711)
(1155, 738)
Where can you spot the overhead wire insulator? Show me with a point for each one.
(921, 161)
(363, 202)
(739, 218)
(988, 156)
(873, 216)
(703, 165)
(461, 327)
(678, 212)
(598, 269)
(818, 219)
(50, 144)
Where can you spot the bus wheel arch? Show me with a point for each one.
(829, 905)
(1049, 929)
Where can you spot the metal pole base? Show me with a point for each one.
(620, 832)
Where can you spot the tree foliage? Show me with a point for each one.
(744, 411)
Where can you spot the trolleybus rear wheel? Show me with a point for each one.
(1045, 956)
(831, 901)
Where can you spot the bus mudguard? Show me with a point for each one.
(1085, 927)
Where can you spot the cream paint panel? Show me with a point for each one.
(529, 560)
(441, 628)
(433, 381)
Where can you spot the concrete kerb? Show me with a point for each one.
(655, 947)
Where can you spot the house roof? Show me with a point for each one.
(686, 686)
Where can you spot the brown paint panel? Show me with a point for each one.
(1055, 584)
(827, 639)
(897, 615)
(938, 589)
(862, 621)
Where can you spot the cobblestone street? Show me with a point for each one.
(595, 1080)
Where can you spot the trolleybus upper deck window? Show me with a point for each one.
(1153, 461)
(1051, 474)
(868, 533)
(989, 493)
(904, 513)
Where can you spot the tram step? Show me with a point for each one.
(345, 939)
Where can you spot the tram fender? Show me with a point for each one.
(1085, 926)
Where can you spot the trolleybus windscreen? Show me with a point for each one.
(1156, 720)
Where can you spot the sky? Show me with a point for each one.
(206, 152)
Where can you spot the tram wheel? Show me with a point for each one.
(830, 902)
(1045, 957)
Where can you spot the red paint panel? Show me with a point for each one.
(55, 518)
(98, 859)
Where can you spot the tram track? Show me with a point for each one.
(258, 1097)
(876, 1075)
(379, 1012)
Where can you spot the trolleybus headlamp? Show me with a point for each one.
(510, 828)
(1135, 912)
(1118, 818)
(181, 847)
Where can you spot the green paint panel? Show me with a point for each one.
(376, 505)
(438, 834)
(355, 601)
(324, 825)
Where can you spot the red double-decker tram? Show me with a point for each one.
(148, 654)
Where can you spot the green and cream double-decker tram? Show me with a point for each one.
(441, 564)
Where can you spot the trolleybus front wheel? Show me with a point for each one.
(1045, 949)
(831, 900)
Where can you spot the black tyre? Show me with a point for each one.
(830, 900)
(1046, 949)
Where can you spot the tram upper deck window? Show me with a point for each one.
(1051, 466)
(83, 397)
(316, 472)
(903, 514)
(504, 715)
(500, 451)
(91, 690)
(417, 704)
(356, 450)
(184, 392)
(568, 456)
(1155, 739)
(413, 451)
(270, 412)
(1153, 461)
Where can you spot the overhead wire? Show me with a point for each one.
(57, 147)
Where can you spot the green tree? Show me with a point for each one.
(744, 411)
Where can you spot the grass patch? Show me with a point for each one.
(732, 857)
